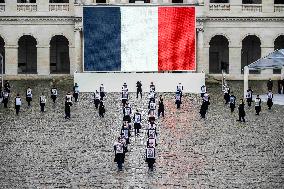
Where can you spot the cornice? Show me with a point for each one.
(241, 19)
(39, 19)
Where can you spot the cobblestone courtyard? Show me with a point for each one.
(43, 150)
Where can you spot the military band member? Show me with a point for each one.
(178, 99)
(68, 104)
(203, 90)
(54, 94)
(152, 87)
(269, 99)
(97, 99)
(249, 96)
(150, 156)
(127, 111)
(226, 94)
(125, 131)
(124, 96)
(102, 92)
(102, 110)
(242, 112)
(18, 103)
(257, 105)
(232, 102)
(29, 96)
(139, 89)
(203, 109)
(42, 101)
(5, 98)
(206, 100)
(180, 90)
(119, 154)
(76, 92)
(161, 108)
(137, 122)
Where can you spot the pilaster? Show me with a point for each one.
(11, 59)
(43, 60)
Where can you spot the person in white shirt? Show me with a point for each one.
(257, 105)
(18, 103)
(42, 101)
(54, 94)
(29, 96)
(269, 99)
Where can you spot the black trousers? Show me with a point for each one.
(42, 107)
(53, 97)
(242, 118)
(76, 95)
(161, 112)
(17, 107)
(139, 91)
(29, 99)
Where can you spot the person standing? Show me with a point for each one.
(29, 96)
(137, 122)
(249, 96)
(150, 156)
(178, 99)
(124, 96)
(18, 103)
(68, 104)
(152, 107)
(269, 85)
(125, 131)
(206, 101)
(102, 92)
(232, 102)
(139, 89)
(226, 94)
(7, 87)
(152, 87)
(203, 109)
(97, 99)
(102, 110)
(180, 90)
(127, 111)
(76, 92)
(242, 112)
(161, 108)
(119, 154)
(53, 92)
(42, 101)
(257, 105)
(5, 98)
(269, 99)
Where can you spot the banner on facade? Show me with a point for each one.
(139, 38)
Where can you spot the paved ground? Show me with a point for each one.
(42, 150)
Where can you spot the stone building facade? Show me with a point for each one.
(45, 37)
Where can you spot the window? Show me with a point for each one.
(26, 1)
(278, 1)
(2, 1)
(219, 1)
(58, 1)
(133, 1)
(252, 1)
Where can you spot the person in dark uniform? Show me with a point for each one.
(203, 90)
(279, 86)
(137, 122)
(139, 89)
(18, 103)
(102, 109)
(124, 96)
(242, 112)
(151, 129)
(269, 84)
(42, 101)
(152, 107)
(127, 111)
(29, 96)
(269, 99)
(206, 101)
(232, 102)
(97, 99)
(178, 99)
(54, 94)
(203, 109)
(7, 87)
(68, 104)
(180, 90)
(249, 96)
(161, 108)
(125, 131)
(119, 154)
(257, 105)
(5, 98)
(76, 92)
(102, 92)
(150, 156)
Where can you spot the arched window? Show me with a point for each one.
(278, 1)
(219, 55)
(27, 55)
(2, 52)
(26, 1)
(59, 55)
(2, 1)
(251, 51)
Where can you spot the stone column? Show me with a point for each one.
(11, 60)
(200, 48)
(236, 6)
(77, 64)
(11, 6)
(43, 60)
(42, 6)
(268, 6)
(265, 50)
(235, 62)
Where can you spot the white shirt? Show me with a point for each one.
(68, 98)
(42, 99)
(18, 101)
(203, 89)
(270, 95)
(54, 92)
(152, 106)
(137, 118)
(29, 93)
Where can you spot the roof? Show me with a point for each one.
(274, 60)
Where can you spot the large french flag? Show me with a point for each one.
(139, 38)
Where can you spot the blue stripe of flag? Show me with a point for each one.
(102, 38)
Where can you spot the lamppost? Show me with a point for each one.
(2, 67)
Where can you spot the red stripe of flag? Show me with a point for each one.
(176, 41)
